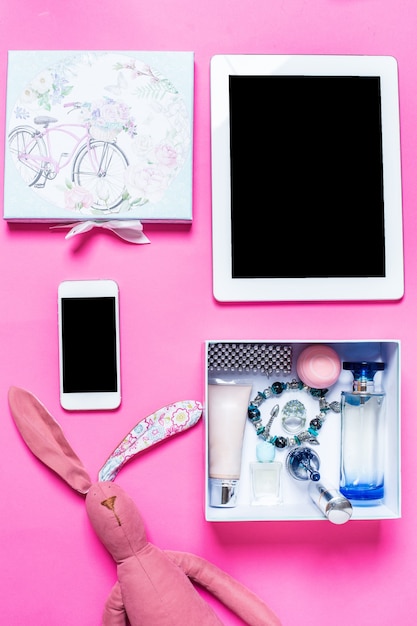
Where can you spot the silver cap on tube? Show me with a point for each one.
(223, 492)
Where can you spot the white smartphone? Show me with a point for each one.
(89, 344)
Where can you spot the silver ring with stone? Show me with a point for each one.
(293, 416)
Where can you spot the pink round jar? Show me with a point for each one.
(318, 366)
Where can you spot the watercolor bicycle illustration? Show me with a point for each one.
(98, 166)
(99, 133)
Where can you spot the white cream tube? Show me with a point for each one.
(227, 412)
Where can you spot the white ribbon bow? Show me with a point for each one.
(129, 230)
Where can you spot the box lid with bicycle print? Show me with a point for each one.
(99, 136)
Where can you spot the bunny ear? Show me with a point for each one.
(168, 421)
(44, 437)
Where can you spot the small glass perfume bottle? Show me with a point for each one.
(303, 464)
(265, 476)
(362, 449)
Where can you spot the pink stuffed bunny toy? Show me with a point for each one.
(154, 587)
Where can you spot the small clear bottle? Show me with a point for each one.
(363, 426)
(265, 476)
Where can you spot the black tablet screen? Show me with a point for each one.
(306, 177)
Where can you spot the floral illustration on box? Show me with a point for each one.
(99, 133)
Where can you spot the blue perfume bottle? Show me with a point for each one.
(363, 427)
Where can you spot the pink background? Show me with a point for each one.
(54, 571)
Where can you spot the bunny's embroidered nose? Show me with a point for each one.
(109, 503)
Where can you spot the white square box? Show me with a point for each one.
(99, 135)
(295, 502)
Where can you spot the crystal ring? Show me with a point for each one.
(293, 416)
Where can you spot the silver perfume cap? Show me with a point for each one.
(339, 510)
(331, 502)
(223, 492)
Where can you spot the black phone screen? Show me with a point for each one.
(89, 344)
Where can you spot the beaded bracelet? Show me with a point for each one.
(307, 436)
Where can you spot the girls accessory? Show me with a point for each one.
(249, 357)
(318, 366)
(129, 230)
(119, 525)
(307, 436)
(330, 501)
(265, 472)
(166, 422)
(363, 445)
(303, 464)
(293, 416)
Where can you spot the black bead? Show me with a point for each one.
(277, 388)
(280, 442)
(316, 423)
(254, 413)
(318, 393)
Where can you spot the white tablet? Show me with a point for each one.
(306, 178)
